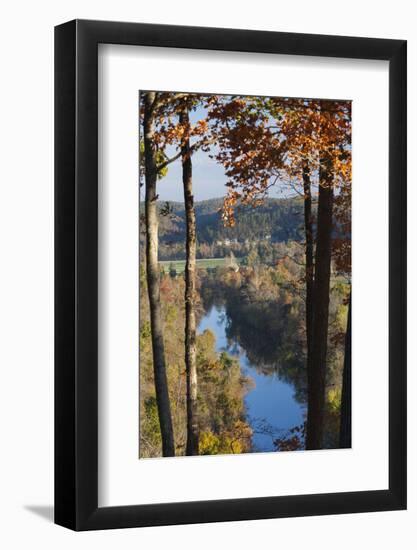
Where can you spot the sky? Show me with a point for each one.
(208, 175)
(209, 179)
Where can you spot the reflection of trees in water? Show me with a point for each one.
(281, 439)
(270, 341)
(211, 296)
(270, 333)
(270, 328)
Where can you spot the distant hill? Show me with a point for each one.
(276, 220)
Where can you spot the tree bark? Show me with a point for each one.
(190, 292)
(317, 373)
(346, 406)
(153, 280)
(308, 225)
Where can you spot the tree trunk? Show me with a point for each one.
(317, 372)
(346, 407)
(308, 225)
(190, 323)
(153, 280)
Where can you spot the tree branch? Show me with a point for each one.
(193, 148)
(167, 161)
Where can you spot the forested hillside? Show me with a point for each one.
(275, 221)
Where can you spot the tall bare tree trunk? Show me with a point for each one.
(190, 323)
(308, 227)
(152, 273)
(317, 372)
(346, 407)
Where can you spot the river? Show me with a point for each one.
(271, 405)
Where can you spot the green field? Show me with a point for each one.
(179, 265)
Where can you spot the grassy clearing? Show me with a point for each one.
(179, 265)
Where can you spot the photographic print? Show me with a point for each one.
(244, 274)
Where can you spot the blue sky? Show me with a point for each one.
(209, 179)
(208, 175)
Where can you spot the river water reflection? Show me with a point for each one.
(271, 405)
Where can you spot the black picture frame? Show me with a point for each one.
(76, 272)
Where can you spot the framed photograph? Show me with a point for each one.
(230, 252)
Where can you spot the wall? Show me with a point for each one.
(26, 203)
